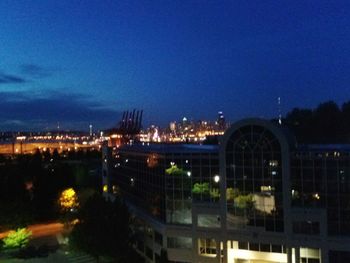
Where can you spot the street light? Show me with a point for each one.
(216, 178)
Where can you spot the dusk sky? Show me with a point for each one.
(76, 62)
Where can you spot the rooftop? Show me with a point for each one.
(171, 148)
(324, 147)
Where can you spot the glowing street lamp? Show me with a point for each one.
(216, 178)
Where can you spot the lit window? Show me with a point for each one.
(273, 163)
(316, 196)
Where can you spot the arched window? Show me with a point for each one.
(254, 179)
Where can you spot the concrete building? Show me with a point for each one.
(258, 196)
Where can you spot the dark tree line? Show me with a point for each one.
(104, 230)
(30, 184)
(328, 123)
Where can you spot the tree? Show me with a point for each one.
(231, 193)
(325, 124)
(215, 193)
(301, 122)
(200, 188)
(327, 121)
(174, 170)
(17, 239)
(68, 203)
(15, 206)
(103, 229)
(345, 124)
(45, 193)
(68, 200)
(81, 176)
(244, 202)
(55, 155)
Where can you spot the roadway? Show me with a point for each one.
(41, 230)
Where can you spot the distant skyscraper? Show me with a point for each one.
(90, 126)
(221, 120)
(172, 126)
(279, 111)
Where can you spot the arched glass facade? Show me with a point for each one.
(254, 179)
(258, 196)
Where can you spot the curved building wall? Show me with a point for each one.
(268, 201)
(255, 170)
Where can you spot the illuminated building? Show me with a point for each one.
(221, 120)
(258, 196)
(172, 127)
(90, 130)
(185, 131)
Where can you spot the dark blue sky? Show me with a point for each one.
(76, 62)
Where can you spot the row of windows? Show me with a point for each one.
(306, 227)
(328, 155)
(262, 247)
(179, 242)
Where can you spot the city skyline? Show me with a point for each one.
(78, 63)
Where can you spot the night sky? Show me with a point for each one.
(76, 62)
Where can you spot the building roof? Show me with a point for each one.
(324, 147)
(171, 148)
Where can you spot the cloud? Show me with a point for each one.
(11, 79)
(35, 70)
(27, 72)
(73, 111)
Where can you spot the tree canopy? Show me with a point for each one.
(17, 239)
(103, 228)
(327, 123)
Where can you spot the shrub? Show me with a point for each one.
(17, 239)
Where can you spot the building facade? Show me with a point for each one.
(258, 196)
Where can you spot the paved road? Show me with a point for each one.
(57, 257)
(80, 258)
(41, 230)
